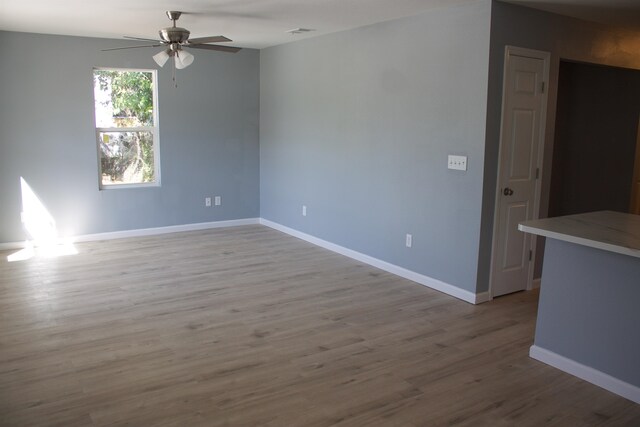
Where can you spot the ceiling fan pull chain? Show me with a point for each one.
(173, 72)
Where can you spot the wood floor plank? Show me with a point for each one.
(247, 326)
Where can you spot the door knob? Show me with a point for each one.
(507, 191)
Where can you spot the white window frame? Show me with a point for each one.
(153, 129)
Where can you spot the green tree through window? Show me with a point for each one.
(126, 126)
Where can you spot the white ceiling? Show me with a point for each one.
(254, 23)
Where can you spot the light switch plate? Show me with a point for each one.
(457, 162)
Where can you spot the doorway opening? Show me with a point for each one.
(596, 140)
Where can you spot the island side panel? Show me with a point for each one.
(589, 308)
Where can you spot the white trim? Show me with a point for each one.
(144, 232)
(432, 283)
(109, 187)
(8, 246)
(546, 58)
(127, 129)
(143, 70)
(154, 130)
(535, 283)
(165, 230)
(587, 373)
(483, 297)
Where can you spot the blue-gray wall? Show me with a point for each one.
(564, 38)
(588, 309)
(208, 131)
(357, 126)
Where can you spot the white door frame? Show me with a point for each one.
(546, 58)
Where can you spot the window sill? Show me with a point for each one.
(124, 186)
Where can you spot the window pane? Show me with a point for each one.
(126, 157)
(123, 98)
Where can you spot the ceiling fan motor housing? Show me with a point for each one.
(174, 34)
(174, 38)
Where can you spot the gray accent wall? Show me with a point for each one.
(208, 131)
(588, 309)
(564, 38)
(357, 126)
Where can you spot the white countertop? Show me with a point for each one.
(607, 230)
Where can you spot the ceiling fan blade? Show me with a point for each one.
(132, 47)
(215, 47)
(144, 40)
(210, 39)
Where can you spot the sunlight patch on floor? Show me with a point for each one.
(41, 228)
(45, 251)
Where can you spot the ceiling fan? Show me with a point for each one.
(175, 39)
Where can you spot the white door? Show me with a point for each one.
(521, 140)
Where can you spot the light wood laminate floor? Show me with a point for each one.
(246, 326)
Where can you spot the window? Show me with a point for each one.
(126, 127)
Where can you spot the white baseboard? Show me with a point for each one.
(430, 282)
(587, 373)
(483, 297)
(144, 232)
(9, 246)
(383, 265)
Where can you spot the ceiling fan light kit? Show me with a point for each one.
(174, 38)
(183, 59)
(162, 57)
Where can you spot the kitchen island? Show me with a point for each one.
(588, 320)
